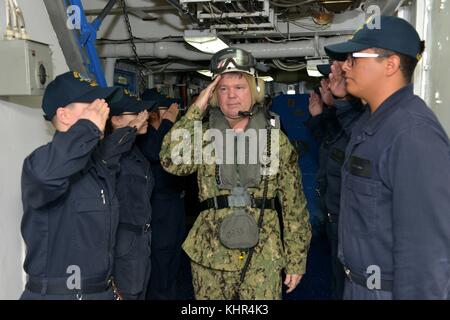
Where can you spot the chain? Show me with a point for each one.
(139, 63)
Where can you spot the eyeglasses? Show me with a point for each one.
(131, 113)
(351, 56)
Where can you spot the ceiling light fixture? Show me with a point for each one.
(266, 78)
(204, 40)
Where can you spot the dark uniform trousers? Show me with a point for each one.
(106, 295)
(355, 291)
(168, 232)
(168, 218)
(132, 265)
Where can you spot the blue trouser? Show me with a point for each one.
(337, 270)
(354, 291)
(106, 295)
(168, 231)
(132, 264)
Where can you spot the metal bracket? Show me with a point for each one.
(239, 198)
(88, 38)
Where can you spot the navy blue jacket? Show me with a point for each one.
(150, 145)
(332, 130)
(134, 189)
(395, 202)
(324, 128)
(347, 114)
(70, 204)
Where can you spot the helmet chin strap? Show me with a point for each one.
(241, 114)
(257, 83)
(232, 117)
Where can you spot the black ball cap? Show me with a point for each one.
(71, 87)
(324, 69)
(392, 33)
(161, 100)
(132, 104)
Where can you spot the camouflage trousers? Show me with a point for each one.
(260, 283)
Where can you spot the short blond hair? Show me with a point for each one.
(257, 97)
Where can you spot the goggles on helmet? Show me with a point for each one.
(232, 60)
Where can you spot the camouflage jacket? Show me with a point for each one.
(203, 245)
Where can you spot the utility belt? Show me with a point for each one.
(222, 202)
(385, 285)
(59, 286)
(239, 229)
(138, 229)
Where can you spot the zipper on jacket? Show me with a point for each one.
(103, 196)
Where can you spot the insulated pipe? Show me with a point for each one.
(164, 50)
(161, 50)
(305, 48)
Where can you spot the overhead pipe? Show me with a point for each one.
(304, 48)
(161, 50)
(180, 50)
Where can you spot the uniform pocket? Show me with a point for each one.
(91, 223)
(132, 192)
(125, 242)
(362, 204)
(132, 263)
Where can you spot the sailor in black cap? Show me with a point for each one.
(69, 195)
(168, 217)
(394, 227)
(135, 182)
(333, 113)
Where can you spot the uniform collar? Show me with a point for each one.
(388, 107)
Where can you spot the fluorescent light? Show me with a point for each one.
(266, 78)
(204, 40)
(205, 73)
(314, 73)
(311, 67)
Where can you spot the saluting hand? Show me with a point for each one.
(337, 80)
(325, 92)
(315, 104)
(140, 121)
(97, 112)
(205, 94)
(171, 113)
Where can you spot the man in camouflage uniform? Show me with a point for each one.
(216, 269)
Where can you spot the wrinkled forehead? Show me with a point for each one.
(232, 76)
(233, 79)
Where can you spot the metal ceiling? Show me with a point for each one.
(279, 32)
